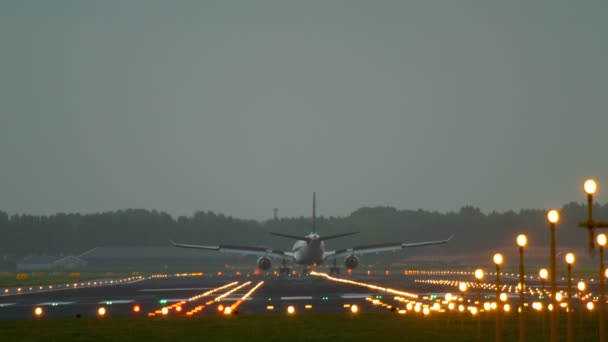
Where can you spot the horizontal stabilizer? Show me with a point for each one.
(329, 237)
(294, 237)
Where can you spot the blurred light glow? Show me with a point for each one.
(581, 286)
(553, 216)
(522, 240)
(291, 310)
(38, 311)
(601, 239)
(479, 274)
(590, 186)
(570, 258)
(497, 258)
(101, 311)
(543, 273)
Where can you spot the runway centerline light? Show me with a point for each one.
(354, 308)
(291, 310)
(101, 311)
(38, 311)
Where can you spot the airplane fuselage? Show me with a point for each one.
(309, 252)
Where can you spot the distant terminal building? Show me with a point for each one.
(48, 263)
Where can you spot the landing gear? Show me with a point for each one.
(284, 269)
(334, 269)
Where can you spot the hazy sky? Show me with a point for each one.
(242, 106)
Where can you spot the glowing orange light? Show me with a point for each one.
(136, 308)
(38, 311)
(101, 311)
(178, 308)
(220, 308)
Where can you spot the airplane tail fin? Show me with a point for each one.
(329, 237)
(314, 214)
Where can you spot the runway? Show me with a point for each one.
(196, 295)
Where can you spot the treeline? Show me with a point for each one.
(474, 230)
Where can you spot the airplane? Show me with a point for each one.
(310, 250)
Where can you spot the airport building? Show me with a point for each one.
(46, 263)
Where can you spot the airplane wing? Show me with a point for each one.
(236, 249)
(379, 248)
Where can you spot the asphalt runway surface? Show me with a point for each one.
(198, 295)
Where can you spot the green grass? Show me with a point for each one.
(302, 327)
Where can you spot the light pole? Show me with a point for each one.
(498, 261)
(543, 274)
(569, 261)
(590, 187)
(522, 241)
(478, 278)
(601, 241)
(581, 289)
(553, 217)
(462, 286)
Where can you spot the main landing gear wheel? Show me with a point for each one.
(284, 269)
(334, 269)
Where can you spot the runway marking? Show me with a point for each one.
(119, 301)
(176, 300)
(175, 289)
(356, 296)
(297, 298)
(6, 304)
(181, 302)
(234, 298)
(55, 303)
(369, 286)
(216, 299)
(245, 297)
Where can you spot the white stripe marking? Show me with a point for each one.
(6, 304)
(56, 303)
(355, 296)
(297, 298)
(120, 301)
(176, 289)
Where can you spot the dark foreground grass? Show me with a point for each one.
(275, 327)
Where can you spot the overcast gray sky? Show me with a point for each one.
(242, 106)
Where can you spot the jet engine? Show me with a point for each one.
(264, 263)
(351, 262)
